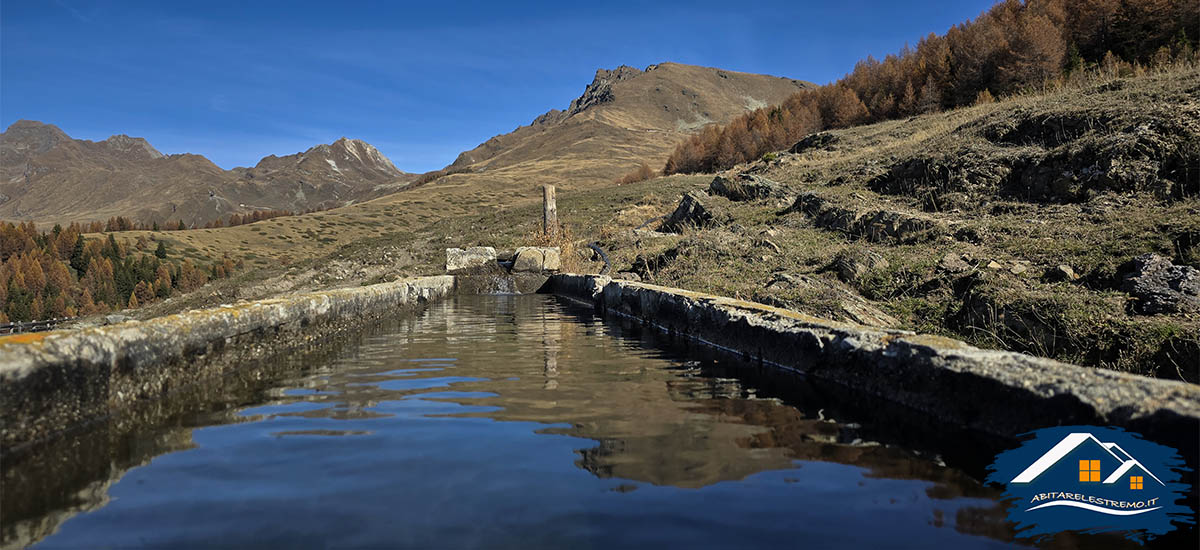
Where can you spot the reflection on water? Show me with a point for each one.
(506, 421)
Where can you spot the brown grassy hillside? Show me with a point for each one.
(624, 117)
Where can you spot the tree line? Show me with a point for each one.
(122, 223)
(1014, 47)
(250, 217)
(59, 273)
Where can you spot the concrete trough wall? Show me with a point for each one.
(53, 381)
(996, 392)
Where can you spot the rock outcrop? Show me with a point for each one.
(874, 225)
(601, 88)
(822, 140)
(694, 212)
(1161, 286)
(745, 187)
(1061, 156)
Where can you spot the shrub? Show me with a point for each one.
(641, 173)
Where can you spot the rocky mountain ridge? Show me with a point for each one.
(48, 177)
(628, 115)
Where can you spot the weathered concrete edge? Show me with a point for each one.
(52, 381)
(996, 392)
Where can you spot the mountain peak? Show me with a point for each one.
(134, 145)
(600, 90)
(28, 124)
(341, 155)
(32, 135)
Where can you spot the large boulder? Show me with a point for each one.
(745, 187)
(552, 259)
(534, 259)
(458, 259)
(1161, 286)
(692, 211)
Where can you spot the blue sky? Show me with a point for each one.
(421, 81)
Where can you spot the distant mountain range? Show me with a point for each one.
(624, 117)
(47, 176)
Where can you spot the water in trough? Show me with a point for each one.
(508, 422)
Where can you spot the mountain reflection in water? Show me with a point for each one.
(505, 421)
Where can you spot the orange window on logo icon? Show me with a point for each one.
(1089, 470)
(1135, 482)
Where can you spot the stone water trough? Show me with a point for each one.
(56, 381)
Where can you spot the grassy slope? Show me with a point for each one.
(1093, 230)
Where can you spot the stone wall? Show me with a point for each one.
(996, 392)
(54, 381)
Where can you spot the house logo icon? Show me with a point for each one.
(1092, 479)
(1109, 457)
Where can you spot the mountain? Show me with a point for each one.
(624, 117)
(48, 177)
(344, 161)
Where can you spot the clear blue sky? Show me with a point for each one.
(422, 81)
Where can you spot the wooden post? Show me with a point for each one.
(549, 211)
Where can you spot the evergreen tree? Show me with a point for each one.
(112, 250)
(161, 251)
(124, 276)
(1074, 60)
(19, 300)
(79, 261)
